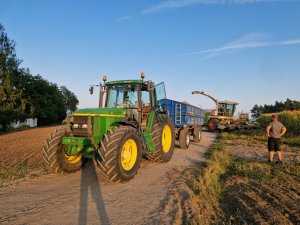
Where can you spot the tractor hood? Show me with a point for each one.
(105, 112)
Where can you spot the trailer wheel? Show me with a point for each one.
(184, 139)
(55, 157)
(164, 141)
(213, 125)
(197, 134)
(120, 154)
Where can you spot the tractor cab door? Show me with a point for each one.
(160, 93)
(150, 99)
(146, 105)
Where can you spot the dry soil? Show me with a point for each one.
(258, 192)
(84, 197)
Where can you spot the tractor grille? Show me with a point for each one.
(80, 126)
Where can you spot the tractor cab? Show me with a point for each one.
(136, 97)
(226, 108)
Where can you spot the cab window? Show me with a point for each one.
(121, 96)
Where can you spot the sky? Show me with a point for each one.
(241, 50)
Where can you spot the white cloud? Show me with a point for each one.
(173, 4)
(254, 40)
(123, 18)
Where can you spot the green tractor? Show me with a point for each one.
(132, 125)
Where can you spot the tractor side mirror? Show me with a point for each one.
(150, 86)
(91, 89)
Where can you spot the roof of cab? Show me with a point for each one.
(124, 82)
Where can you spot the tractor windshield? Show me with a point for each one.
(122, 96)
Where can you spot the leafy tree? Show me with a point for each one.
(11, 103)
(70, 99)
(291, 105)
(256, 111)
(23, 95)
(277, 107)
(44, 100)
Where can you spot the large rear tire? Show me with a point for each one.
(54, 156)
(213, 125)
(184, 139)
(197, 134)
(120, 154)
(164, 141)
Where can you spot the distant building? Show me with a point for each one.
(31, 122)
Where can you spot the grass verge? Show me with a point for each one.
(206, 186)
(22, 170)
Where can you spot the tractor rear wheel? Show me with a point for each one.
(120, 154)
(164, 141)
(184, 139)
(54, 155)
(213, 125)
(197, 134)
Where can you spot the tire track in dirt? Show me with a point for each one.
(175, 207)
(33, 208)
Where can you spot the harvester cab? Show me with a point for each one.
(227, 108)
(131, 122)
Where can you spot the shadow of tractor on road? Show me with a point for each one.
(90, 183)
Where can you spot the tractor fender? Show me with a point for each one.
(126, 123)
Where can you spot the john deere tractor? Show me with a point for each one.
(130, 125)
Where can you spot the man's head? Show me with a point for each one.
(274, 118)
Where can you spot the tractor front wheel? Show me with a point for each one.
(54, 155)
(120, 154)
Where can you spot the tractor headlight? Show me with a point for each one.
(75, 125)
(84, 126)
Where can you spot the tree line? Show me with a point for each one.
(288, 105)
(23, 95)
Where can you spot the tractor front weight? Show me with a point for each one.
(75, 145)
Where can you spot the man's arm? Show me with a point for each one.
(268, 130)
(283, 130)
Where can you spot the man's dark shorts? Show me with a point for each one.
(274, 144)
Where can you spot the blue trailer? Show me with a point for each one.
(187, 119)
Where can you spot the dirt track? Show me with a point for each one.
(85, 198)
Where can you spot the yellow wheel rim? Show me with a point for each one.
(166, 138)
(73, 159)
(129, 154)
